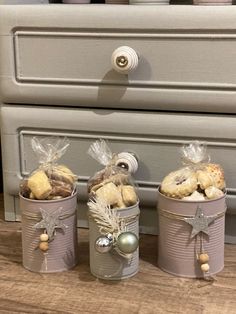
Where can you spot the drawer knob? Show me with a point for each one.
(127, 161)
(124, 60)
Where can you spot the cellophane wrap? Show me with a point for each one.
(113, 184)
(51, 180)
(194, 154)
(198, 179)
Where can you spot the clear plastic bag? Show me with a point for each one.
(113, 184)
(50, 180)
(194, 154)
(199, 179)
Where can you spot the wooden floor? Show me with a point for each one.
(77, 291)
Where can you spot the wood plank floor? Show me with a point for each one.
(77, 291)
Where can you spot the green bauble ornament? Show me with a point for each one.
(127, 242)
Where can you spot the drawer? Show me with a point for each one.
(154, 137)
(61, 55)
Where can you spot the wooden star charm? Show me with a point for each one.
(50, 221)
(200, 223)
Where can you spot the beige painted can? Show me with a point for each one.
(176, 250)
(117, 2)
(63, 249)
(110, 265)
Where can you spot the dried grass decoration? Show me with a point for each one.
(113, 229)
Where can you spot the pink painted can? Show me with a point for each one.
(63, 249)
(212, 2)
(177, 252)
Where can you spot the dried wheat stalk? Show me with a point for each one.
(108, 220)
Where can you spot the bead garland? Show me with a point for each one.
(203, 260)
(44, 242)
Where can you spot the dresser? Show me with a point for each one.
(56, 78)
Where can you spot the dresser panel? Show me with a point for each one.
(187, 57)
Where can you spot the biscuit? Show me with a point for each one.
(180, 183)
(61, 173)
(204, 179)
(129, 195)
(111, 195)
(39, 185)
(212, 192)
(217, 175)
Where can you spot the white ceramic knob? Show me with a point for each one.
(124, 60)
(128, 161)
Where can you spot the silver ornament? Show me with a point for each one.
(127, 242)
(103, 244)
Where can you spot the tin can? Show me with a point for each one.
(63, 248)
(177, 250)
(149, 2)
(212, 2)
(111, 265)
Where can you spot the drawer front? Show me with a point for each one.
(186, 64)
(165, 60)
(154, 137)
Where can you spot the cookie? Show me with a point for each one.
(39, 185)
(61, 173)
(217, 175)
(129, 195)
(213, 193)
(110, 194)
(180, 183)
(211, 175)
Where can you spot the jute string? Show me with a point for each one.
(171, 215)
(127, 220)
(38, 217)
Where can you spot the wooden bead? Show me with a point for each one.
(205, 267)
(43, 237)
(43, 246)
(203, 258)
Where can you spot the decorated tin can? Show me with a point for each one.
(111, 264)
(149, 2)
(49, 234)
(191, 236)
(212, 2)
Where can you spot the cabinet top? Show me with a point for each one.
(129, 17)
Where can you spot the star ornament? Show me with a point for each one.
(50, 221)
(200, 222)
